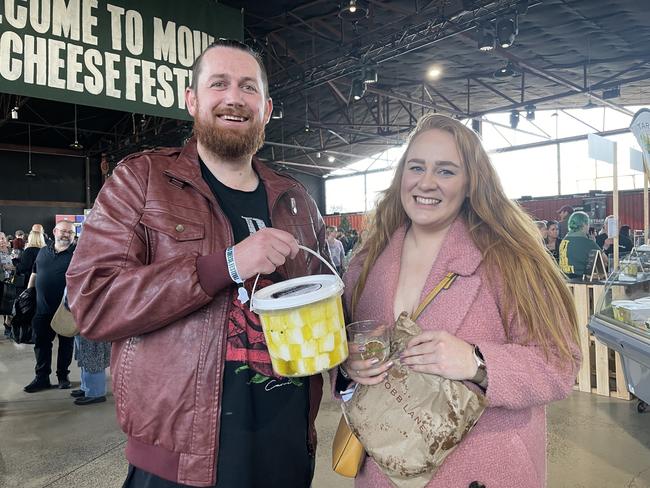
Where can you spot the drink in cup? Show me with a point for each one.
(369, 339)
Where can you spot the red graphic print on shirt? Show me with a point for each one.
(246, 341)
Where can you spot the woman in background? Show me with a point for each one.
(35, 241)
(552, 240)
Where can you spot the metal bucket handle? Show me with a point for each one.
(306, 249)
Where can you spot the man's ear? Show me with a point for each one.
(190, 101)
(268, 110)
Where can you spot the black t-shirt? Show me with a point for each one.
(264, 418)
(50, 267)
(263, 440)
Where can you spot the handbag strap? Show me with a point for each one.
(443, 285)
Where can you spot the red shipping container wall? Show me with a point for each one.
(357, 220)
(630, 207)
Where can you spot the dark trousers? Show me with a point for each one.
(43, 339)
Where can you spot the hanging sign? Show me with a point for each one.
(122, 55)
(636, 160)
(601, 149)
(640, 127)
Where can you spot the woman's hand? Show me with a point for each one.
(364, 371)
(439, 352)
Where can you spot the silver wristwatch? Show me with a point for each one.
(480, 378)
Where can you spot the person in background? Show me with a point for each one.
(93, 357)
(602, 239)
(564, 213)
(552, 241)
(35, 241)
(48, 277)
(337, 253)
(541, 227)
(591, 234)
(6, 271)
(576, 246)
(6, 266)
(507, 324)
(39, 228)
(625, 243)
(17, 246)
(606, 243)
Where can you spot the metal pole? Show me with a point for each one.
(615, 205)
(559, 170)
(87, 182)
(646, 214)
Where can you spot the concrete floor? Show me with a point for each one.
(47, 441)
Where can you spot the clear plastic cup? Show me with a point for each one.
(369, 339)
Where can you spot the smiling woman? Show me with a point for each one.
(507, 324)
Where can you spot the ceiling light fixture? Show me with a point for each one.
(75, 144)
(486, 37)
(612, 93)
(530, 111)
(506, 71)
(331, 159)
(29, 173)
(358, 89)
(14, 113)
(369, 75)
(514, 119)
(353, 11)
(434, 72)
(507, 30)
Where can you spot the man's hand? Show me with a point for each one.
(264, 251)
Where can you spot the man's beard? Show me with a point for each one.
(229, 144)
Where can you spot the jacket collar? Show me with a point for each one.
(458, 253)
(187, 169)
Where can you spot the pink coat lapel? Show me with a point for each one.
(458, 255)
(447, 311)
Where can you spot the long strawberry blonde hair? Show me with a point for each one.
(534, 287)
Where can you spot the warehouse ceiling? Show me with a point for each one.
(424, 56)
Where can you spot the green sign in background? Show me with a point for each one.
(51, 49)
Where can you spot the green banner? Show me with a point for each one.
(123, 55)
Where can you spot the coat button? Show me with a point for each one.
(180, 228)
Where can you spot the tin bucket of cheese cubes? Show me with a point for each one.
(303, 324)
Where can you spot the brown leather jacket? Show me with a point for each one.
(149, 274)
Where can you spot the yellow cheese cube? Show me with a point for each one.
(318, 330)
(294, 336)
(326, 344)
(322, 362)
(283, 352)
(309, 349)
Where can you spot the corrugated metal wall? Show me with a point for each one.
(357, 221)
(630, 208)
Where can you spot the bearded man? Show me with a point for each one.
(162, 270)
(48, 276)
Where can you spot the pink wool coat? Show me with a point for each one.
(507, 447)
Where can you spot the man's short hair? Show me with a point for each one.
(566, 208)
(233, 44)
(331, 228)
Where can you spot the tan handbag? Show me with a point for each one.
(63, 322)
(347, 451)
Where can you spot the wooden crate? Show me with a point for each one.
(601, 371)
